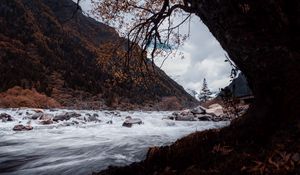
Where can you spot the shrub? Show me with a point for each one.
(19, 97)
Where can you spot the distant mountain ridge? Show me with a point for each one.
(49, 46)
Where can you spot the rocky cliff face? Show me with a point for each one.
(49, 46)
(239, 87)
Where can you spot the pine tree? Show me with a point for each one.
(205, 93)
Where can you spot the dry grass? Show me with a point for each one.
(19, 97)
(169, 103)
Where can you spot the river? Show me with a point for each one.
(81, 147)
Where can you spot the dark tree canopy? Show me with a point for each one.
(152, 25)
(260, 37)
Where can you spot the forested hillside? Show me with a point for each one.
(50, 46)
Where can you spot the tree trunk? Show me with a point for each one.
(263, 38)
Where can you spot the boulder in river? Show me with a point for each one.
(216, 109)
(183, 112)
(92, 118)
(198, 110)
(22, 128)
(36, 116)
(188, 117)
(6, 117)
(213, 113)
(131, 121)
(46, 119)
(109, 122)
(184, 115)
(46, 122)
(205, 117)
(66, 116)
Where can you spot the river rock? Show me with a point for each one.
(175, 114)
(109, 122)
(184, 112)
(46, 119)
(22, 128)
(6, 117)
(46, 122)
(205, 117)
(188, 117)
(92, 118)
(66, 116)
(216, 109)
(198, 110)
(225, 117)
(131, 121)
(75, 122)
(36, 116)
(61, 117)
(70, 123)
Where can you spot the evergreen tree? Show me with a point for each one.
(205, 93)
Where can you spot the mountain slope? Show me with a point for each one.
(49, 46)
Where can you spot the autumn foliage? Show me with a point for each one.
(19, 97)
(170, 103)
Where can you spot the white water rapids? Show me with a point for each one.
(66, 148)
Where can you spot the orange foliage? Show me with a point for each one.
(19, 97)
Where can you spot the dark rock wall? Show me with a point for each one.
(262, 38)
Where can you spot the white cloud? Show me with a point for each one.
(205, 60)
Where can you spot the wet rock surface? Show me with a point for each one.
(213, 113)
(22, 128)
(36, 116)
(66, 116)
(129, 122)
(198, 110)
(92, 118)
(6, 117)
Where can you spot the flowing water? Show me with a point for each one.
(80, 147)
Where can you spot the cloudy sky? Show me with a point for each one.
(203, 58)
